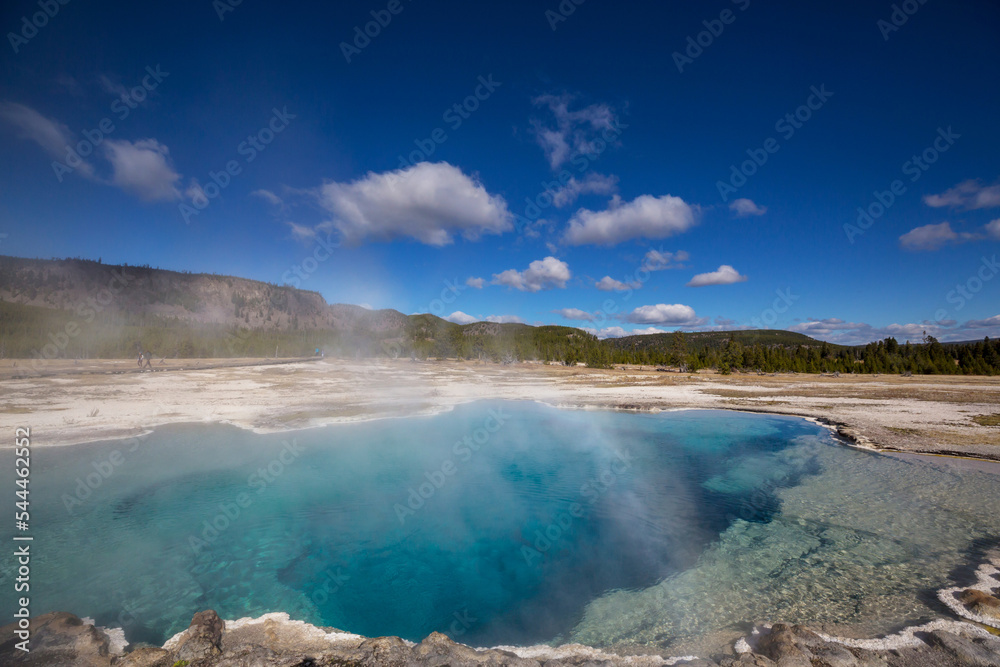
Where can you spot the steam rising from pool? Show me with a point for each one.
(501, 523)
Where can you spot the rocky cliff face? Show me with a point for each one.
(188, 297)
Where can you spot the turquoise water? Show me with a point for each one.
(500, 523)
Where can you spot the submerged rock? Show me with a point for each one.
(58, 638)
(980, 603)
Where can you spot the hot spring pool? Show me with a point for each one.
(502, 523)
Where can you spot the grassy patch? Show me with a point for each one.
(987, 420)
(902, 431)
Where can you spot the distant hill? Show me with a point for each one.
(700, 340)
(116, 310)
(75, 308)
(195, 298)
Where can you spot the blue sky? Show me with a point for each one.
(578, 180)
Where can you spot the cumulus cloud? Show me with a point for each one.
(143, 168)
(592, 184)
(724, 275)
(575, 314)
(993, 229)
(933, 237)
(989, 322)
(836, 330)
(574, 132)
(971, 194)
(505, 319)
(658, 260)
(644, 217)
(540, 274)
(664, 314)
(428, 202)
(744, 207)
(607, 332)
(301, 232)
(268, 196)
(477, 283)
(458, 317)
(609, 284)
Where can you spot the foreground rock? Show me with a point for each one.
(61, 639)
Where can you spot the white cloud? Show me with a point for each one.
(724, 275)
(194, 192)
(143, 168)
(595, 184)
(644, 217)
(658, 260)
(607, 332)
(505, 319)
(575, 132)
(647, 331)
(268, 196)
(113, 87)
(458, 317)
(540, 274)
(475, 282)
(575, 314)
(983, 324)
(665, 314)
(609, 284)
(301, 232)
(428, 202)
(744, 207)
(932, 237)
(836, 330)
(993, 229)
(52, 136)
(971, 194)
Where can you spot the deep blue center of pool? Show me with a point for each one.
(494, 523)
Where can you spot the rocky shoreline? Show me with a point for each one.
(62, 639)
